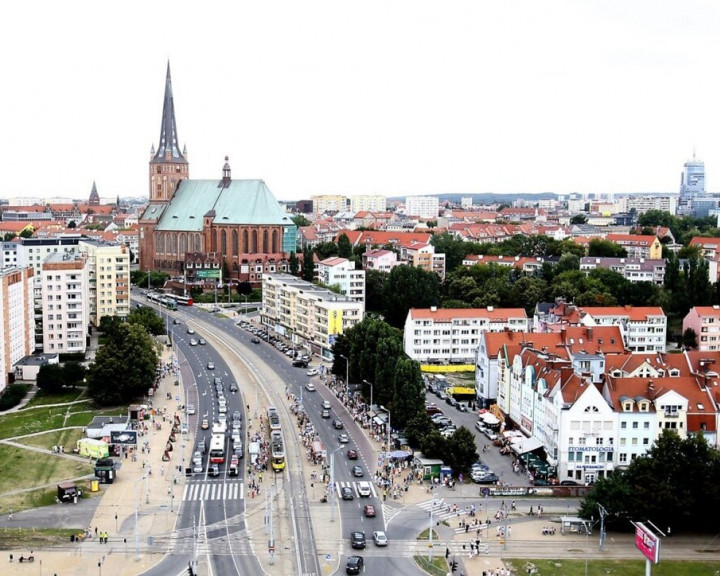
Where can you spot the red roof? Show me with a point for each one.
(447, 314)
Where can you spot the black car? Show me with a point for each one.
(255, 340)
(357, 539)
(354, 565)
(300, 364)
(347, 494)
(569, 483)
(338, 425)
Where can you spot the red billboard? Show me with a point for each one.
(647, 542)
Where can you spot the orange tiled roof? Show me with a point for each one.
(447, 314)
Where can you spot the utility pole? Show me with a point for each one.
(603, 513)
(271, 543)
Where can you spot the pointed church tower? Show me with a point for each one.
(94, 196)
(168, 165)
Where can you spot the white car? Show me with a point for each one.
(380, 538)
(312, 372)
(193, 342)
(310, 387)
(490, 434)
(364, 489)
(190, 409)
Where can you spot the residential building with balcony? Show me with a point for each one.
(422, 206)
(368, 203)
(638, 246)
(341, 272)
(109, 279)
(644, 328)
(66, 307)
(17, 319)
(451, 335)
(308, 315)
(705, 321)
(381, 260)
(632, 269)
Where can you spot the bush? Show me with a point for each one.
(13, 395)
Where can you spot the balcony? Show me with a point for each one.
(671, 415)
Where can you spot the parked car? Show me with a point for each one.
(190, 409)
(255, 340)
(490, 478)
(490, 434)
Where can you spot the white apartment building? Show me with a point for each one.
(422, 206)
(17, 319)
(451, 335)
(341, 272)
(644, 328)
(644, 204)
(306, 314)
(329, 203)
(368, 203)
(109, 279)
(633, 269)
(9, 255)
(466, 202)
(66, 307)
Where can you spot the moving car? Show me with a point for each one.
(193, 342)
(369, 511)
(326, 405)
(312, 372)
(325, 414)
(190, 331)
(202, 342)
(300, 364)
(354, 565)
(380, 538)
(357, 471)
(310, 387)
(337, 424)
(255, 340)
(357, 539)
(233, 387)
(346, 493)
(205, 424)
(364, 489)
(211, 366)
(343, 438)
(176, 321)
(214, 470)
(352, 455)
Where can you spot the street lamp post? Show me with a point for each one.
(388, 430)
(347, 373)
(137, 505)
(332, 483)
(371, 391)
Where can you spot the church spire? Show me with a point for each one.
(168, 148)
(94, 199)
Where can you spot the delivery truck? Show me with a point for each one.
(92, 447)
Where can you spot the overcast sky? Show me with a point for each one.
(387, 97)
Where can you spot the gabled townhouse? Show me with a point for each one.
(638, 246)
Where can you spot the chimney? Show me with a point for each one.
(563, 335)
(433, 308)
(589, 333)
(490, 308)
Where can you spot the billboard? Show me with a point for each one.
(647, 542)
(126, 437)
(208, 273)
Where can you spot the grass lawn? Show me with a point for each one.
(611, 567)
(437, 567)
(69, 395)
(24, 469)
(66, 438)
(11, 538)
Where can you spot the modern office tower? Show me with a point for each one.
(692, 185)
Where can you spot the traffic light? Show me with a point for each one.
(453, 566)
(447, 553)
(191, 571)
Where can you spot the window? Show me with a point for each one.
(623, 425)
(635, 425)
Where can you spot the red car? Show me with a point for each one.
(352, 455)
(369, 511)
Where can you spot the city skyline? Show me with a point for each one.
(394, 99)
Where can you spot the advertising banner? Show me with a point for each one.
(126, 437)
(647, 542)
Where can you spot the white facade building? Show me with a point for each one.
(368, 203)
(643, 328)
(308, 315)
(341, 272)
(329, 203)
(422, 206)
(66, 307)
(451, 335)
(109, 278)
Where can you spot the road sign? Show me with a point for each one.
(328, 557)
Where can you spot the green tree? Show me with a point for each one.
(27, 233)
(579, 219)
(300, 220)
(148, 319)
(375, 290)
(409, 287)
(326, 250)
(345, 249)
(434, 445)
(51, 378)
(689, 339)
(308, 265)
(294, 264)
(124, 367)
(74, 373)
(72, 224)
(110, 325)
(453, 248)
(605, 248)
(461, 450)
(409, 397)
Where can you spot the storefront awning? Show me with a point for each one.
(525, 445)
(379, 421)
(489, 419)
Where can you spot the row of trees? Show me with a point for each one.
(676, 484)
(377, 360)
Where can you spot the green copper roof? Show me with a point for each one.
(238, 202)
(153, 212)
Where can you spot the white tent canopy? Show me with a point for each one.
(489, 419)
(525, 445)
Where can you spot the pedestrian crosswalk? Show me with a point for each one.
(213, 491)
(354, 487)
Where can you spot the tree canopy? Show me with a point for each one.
(676, 484)
(409, 287)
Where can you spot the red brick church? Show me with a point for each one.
(191, 225)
